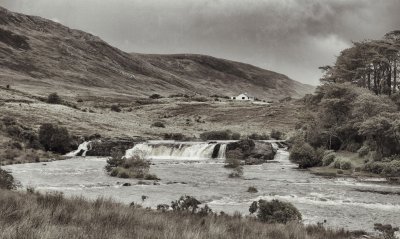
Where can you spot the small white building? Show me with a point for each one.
(243, 96)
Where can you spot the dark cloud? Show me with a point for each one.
(293, 37)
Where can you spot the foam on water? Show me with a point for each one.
(193, 151)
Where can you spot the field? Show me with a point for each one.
(31, 215)
(190, 116)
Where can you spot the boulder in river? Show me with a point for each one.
(252, 152)
(104, 146)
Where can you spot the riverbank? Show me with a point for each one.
(356, 171)
(53, 216)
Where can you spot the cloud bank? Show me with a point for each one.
(292, 37)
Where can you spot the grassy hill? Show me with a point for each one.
(40, 56)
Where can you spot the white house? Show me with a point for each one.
(244, 96)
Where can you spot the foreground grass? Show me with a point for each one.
(31, 215)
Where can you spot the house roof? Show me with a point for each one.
(248, 95)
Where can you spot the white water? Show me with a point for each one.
(171, 150)
(337, 200)
(84, 147)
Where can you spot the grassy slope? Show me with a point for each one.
(39, 56)
(40, 216)
(136, 118)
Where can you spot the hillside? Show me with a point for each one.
(40, 56)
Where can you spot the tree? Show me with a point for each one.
(53, 98)
(55, 138)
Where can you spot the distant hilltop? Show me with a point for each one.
(41, 56)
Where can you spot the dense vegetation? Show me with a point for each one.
(133, 167)
(354, 113)
(22, 144)
(6, 180)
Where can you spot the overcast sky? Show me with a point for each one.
(292, 37)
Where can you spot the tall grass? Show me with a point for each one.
(33, 215)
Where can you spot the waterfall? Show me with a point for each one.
(81, 151)
(178, 151)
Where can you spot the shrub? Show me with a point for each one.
(175, 136)
(363, 151)
(304, 156)
(6, 180)
(162, 207)
(14, 131)
(235, 136)
(374, 167)
(328, 158)
(115, 108)
(392, 169)
(387, 231)
(54, 138)
(256, 136)
(345, 164)
(133, 167)
(232, 163)
(276, 134)
(155, 96)
(185, 203)
(237, 172)
(252, 190)
(216, 135)
(353, 147)
(336, 164)
(7, 120)
(53, 98)
(158, 124)
(275, 211)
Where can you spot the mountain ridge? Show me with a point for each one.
(42, 56)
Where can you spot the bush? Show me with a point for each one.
(252, 190)
(115, 108)
(374, 167)
(155, 96)
(185, 203)
(275, 211)
(336, 164)
(328, 159)
(175, 136)
(304, 156)
(256, 136)
(237, 172)
(235, 136)
(6, 180)
(345, 164)
(232, 163)
(217, 135)
(7, 120)
(158, 124)
(276, 134)
(55, 138)
(363, 151)
(54, 98)
(392, 169)
(133, 167)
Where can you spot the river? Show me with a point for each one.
(339, 201)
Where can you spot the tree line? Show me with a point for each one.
(371, 64)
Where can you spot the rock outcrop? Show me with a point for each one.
(252, 152)
(104, 146)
